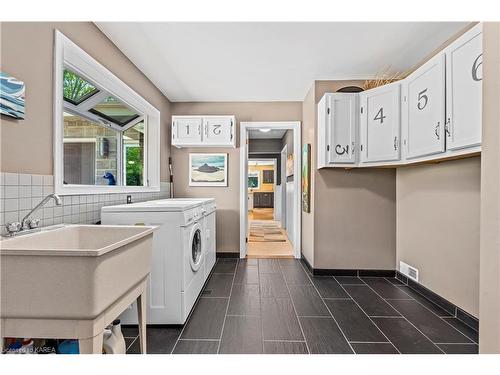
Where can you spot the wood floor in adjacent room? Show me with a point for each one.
(266, 238)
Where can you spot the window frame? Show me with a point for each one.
(68, 55)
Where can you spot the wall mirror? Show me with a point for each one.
(106, 136)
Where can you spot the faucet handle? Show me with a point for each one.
(33, 223)
(13, 228)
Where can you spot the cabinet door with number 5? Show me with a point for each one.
(218, 131)
(464, 90)
(425, 101)
(380, 123)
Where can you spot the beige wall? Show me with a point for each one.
(227, 198)
(352, 224)
(27, 54)
(355, 219)
(489, 296)
(438, 227)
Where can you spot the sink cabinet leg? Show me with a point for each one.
(92, 345)
(141, 315)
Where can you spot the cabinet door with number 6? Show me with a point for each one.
(425, 98)
(464, 90)
(380, 123)
(218, 131)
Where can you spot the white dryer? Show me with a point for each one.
(178, 270)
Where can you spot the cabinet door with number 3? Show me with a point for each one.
(342, 123)
(380, 123)
(218, 131)
(425, 98)
(464, 90)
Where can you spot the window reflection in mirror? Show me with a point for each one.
(104, 138)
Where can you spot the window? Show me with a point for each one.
(107, 137)
(114, 110)
(76, 89)
(133, 151)
(253, 180)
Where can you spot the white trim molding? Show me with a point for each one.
(68, 54)
(297, 142)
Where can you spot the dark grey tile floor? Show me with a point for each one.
(276, 306)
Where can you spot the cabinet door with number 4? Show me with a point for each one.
(380, 123)
(425, 96)
(218, 131)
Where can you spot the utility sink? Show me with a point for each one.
(72, 271)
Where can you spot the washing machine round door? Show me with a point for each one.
(196, 248)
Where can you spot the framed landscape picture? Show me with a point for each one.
(207, 169)
(11, 96)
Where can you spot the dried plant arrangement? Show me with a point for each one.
(383, 78)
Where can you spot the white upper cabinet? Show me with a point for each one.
(380, 124)
(464, 75)
(218, 131)
(186, 131)
(203, 131)
(337, 128)
(424, 102)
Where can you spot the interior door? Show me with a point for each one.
(464, 90)
(217, 130)
(426, 109)
(342, 128)
(187, 131)
(380, 124)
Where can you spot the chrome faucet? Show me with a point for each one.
(27, 223)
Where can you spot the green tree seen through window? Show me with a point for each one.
(134, 166)
(75, 88)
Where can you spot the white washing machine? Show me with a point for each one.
(178, 270)
(208, 212)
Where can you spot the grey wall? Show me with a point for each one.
(438, 227)
(264, 146)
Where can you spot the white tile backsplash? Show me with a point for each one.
(37, 179)
(24, 179)
(21, 192)
(11, 179)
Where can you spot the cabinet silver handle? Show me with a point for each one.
(395, 143)
(447, 127)
(199, 129)
(436, 130)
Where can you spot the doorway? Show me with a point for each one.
(269, 189)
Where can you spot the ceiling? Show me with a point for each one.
(269, 61)
(271, 134)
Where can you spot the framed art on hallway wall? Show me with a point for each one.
(208, 169)
(306, 178)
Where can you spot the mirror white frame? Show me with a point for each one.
(68, 54)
